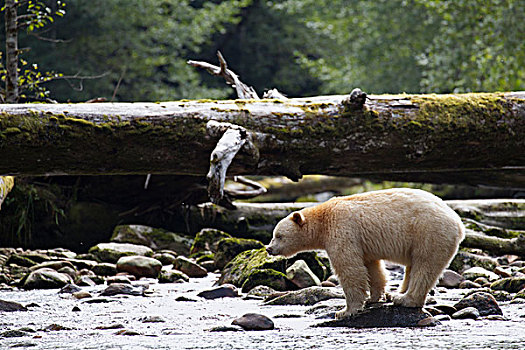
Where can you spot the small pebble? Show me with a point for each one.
(82, 295)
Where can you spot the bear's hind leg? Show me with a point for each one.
(422, 279)
(376, 280)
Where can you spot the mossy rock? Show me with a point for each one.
(229, 248)
(207, 240)
(510, 284)
(20, 260)
(267, 277)
(155, 238)
(172, 276)
(319, 267)
(307, 296)
(204, 257)
(111, 252)
(520, 294)
(248, 262)
(465, 260)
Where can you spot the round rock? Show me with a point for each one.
(139, 266)
(450, 279)
(105, 269)
(225, 291)
(189, 267)
(254, 322)
(468, 312)
(484, 303)
(46, 278)
(301, 275)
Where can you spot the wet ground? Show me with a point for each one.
(52, 324)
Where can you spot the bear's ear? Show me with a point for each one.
(298, 218)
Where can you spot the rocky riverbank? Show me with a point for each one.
(154, 284)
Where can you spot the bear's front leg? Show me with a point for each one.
(355, 284)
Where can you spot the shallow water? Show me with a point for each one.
(187, 323)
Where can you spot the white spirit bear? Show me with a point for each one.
(406, 226)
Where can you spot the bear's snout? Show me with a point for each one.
(270, 250)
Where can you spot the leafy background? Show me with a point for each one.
(301, 47)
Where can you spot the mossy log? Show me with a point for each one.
(463, 138)
(495, 245)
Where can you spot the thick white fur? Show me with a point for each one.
(407, 226)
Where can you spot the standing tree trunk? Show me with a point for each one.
(11, 48)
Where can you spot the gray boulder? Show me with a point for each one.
(172, 276)
(139, 266)
(485, 304)
(307, 296)
(46, 278)
(52, 264)
(476, 272)
(111, 252)
(123, 288)
(385, 316)
(190, 268)
(224, 291)
(165, 258)
(301, 275)
(468, 312)
(105, 269)
(450, 279)
(229, 248)
(254, 322)
(154, 238)
(8, 306)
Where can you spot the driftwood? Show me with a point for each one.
(243, 91)
(471, 138)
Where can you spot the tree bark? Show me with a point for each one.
(11, 51)
(465, 138)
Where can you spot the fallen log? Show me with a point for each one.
(495, 245)
(463, 138)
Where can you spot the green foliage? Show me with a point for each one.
(143, 44)
(366, 44)
(26, 204)
(479, 46)
(30, 80)
(265, 46)
(38, 14)
(301, 47)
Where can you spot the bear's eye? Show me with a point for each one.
(278, 236)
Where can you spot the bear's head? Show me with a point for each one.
(289, 236)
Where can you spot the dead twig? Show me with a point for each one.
(243, 91)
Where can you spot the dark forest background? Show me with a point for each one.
(301, 47)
